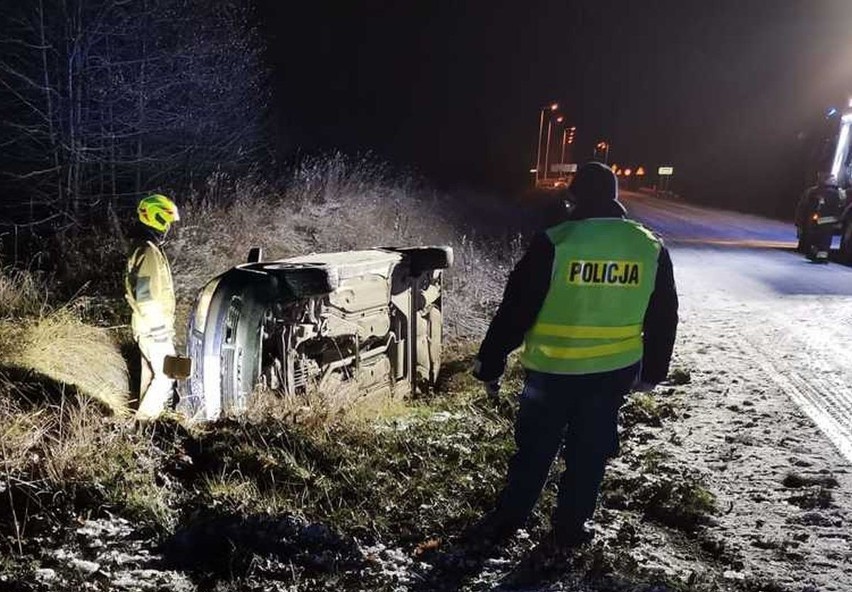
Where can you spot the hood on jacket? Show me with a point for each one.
(594, 182)
(594, 193)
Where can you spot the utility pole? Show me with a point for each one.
(547, 148)
(551, 107)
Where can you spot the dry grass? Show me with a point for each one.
(21, 294)
(69, 445)
(21, 433)
(344, 405)
(336, 203)
(63, 348)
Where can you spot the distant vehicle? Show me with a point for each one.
(818, 217)
(368, 321)
(554, 182)
(832, 156)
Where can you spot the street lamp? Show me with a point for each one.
(603, 146)
(551, 107)
(547, 146)
(567, 138)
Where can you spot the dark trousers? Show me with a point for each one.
(577, 414)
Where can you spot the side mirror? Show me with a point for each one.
(255, 255)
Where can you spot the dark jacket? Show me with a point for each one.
(527, 288)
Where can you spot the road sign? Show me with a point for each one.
(563, 168)
(665, 171)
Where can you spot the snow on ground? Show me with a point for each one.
(768, 416)
(783, 487)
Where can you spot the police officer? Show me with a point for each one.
(149, 291)
(817, 216)
(594, 303)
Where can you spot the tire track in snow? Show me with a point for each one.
(798, 342)
(814, 373)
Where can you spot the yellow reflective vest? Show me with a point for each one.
(604, 270)
(149, 291)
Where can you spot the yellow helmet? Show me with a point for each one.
(158, 212)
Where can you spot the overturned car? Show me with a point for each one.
(368, 321)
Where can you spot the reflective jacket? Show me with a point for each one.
(604, 272)
(530, 282)
(149, 291)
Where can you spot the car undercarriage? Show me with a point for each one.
(354, 324)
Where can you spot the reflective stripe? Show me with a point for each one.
(593, 351)
(585, 332)
(827, 220)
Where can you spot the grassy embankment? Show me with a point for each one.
(64, 386)
(407, 474)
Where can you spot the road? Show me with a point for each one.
(740, 279)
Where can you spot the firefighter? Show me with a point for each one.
(150, 293)
(593, 301)
(817, 216)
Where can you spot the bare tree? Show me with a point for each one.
(103, 100)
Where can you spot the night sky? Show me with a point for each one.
(721, 90)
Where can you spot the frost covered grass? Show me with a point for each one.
(21, 294)
(646, 480)
(404, 471)
(428, 473)
(63, 399)
(416, 471)
(337, 203)
(404, 482)
(63, 455)
(324, 203)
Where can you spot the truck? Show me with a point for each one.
(830, 156)
(367, 323)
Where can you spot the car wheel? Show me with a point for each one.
(240, 354)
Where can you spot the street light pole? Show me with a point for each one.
(551, 107)
(547, 149)
(538, 155)
(564, 141)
